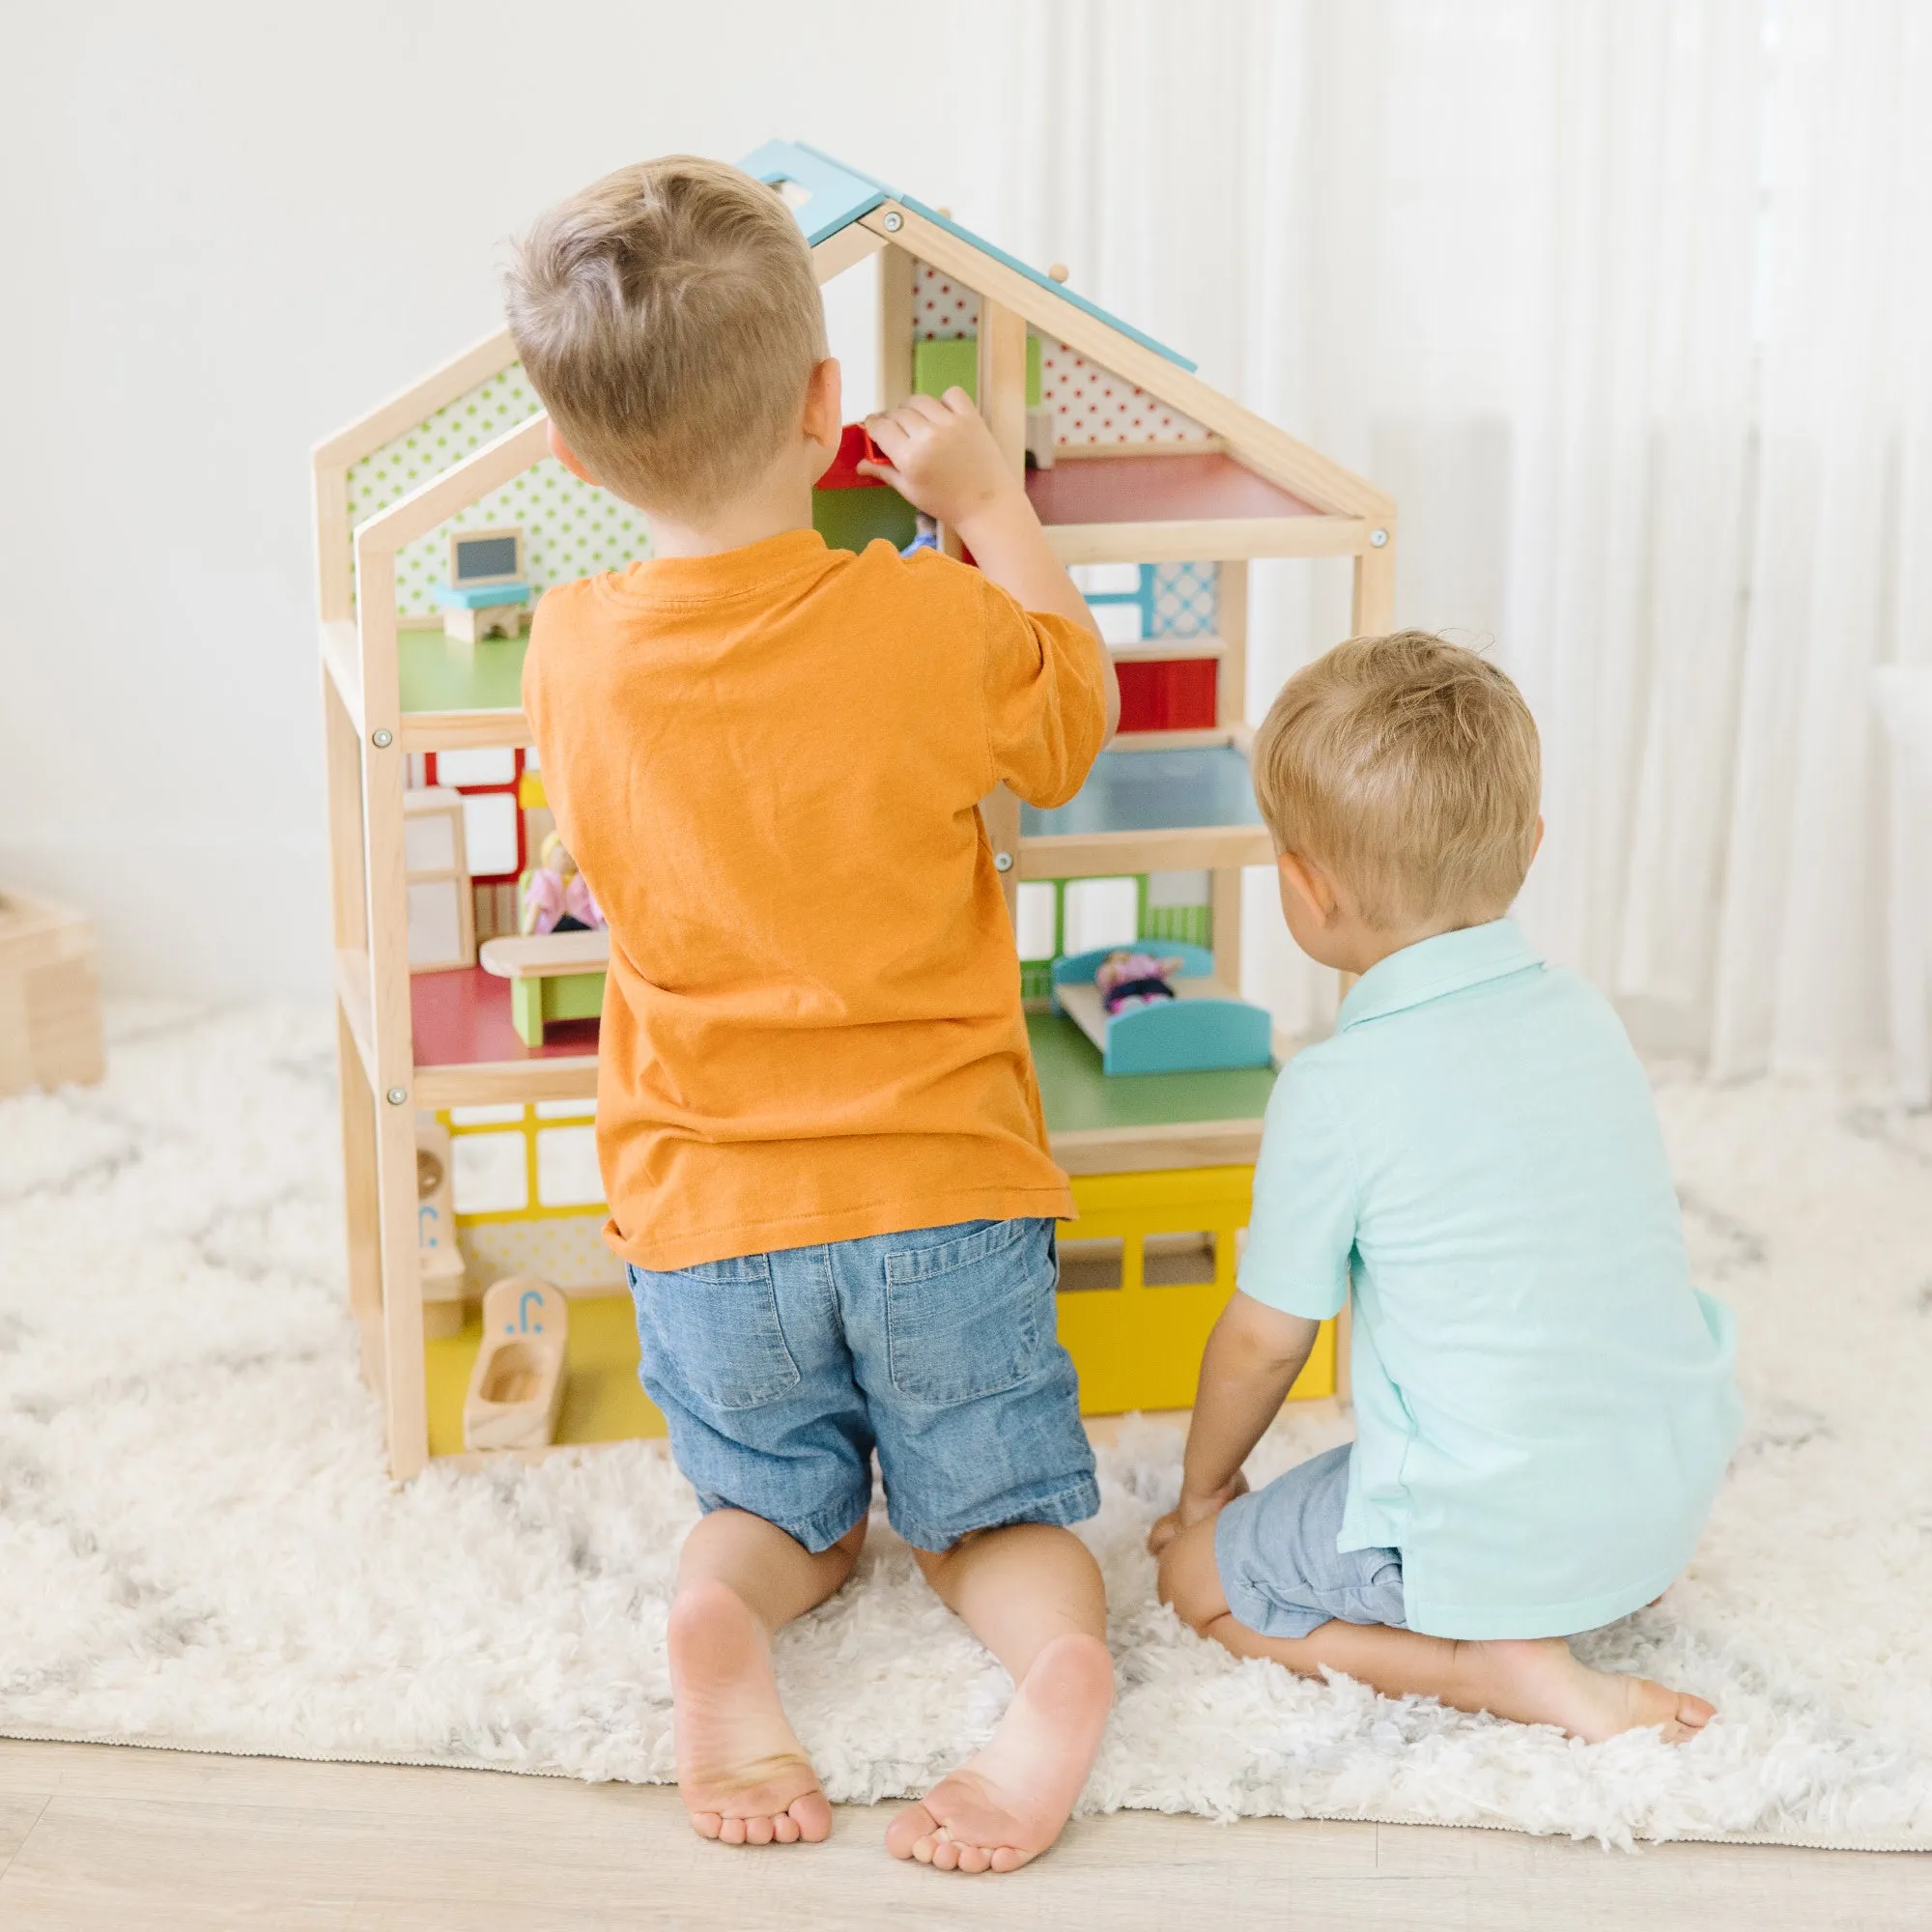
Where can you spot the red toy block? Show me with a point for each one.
(855, 448)
(1173, 697)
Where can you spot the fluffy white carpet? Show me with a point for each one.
(198, 1547)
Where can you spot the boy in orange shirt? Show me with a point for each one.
(821, 1135)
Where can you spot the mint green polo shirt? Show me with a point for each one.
(1543, 1403)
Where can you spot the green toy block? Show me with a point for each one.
(851, 519)
(936, 366)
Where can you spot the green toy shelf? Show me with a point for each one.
(438, 673)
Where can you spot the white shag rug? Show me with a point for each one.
(198, 1547)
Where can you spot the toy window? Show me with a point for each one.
(489, 1172)
(1036, 916)
(436, 922)
(567, 1175)
(1102, 912)
(493, 767)
(490, 831)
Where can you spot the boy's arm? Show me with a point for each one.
(944, 461)
(1247, 1368)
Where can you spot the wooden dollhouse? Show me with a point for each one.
(1155, 489)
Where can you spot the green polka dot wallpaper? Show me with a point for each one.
(570, 530)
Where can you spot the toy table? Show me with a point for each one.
(552, 975)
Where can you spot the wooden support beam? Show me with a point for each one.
(1372, 607)
(844, 250)
(1001, 380)
(895, 327)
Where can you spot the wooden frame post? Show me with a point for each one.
(354, 1052)
(1230, 709)
(895, 325)
(1002, 387)
(1371, 606)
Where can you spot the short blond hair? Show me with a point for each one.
(1411, 768)
(670, 318)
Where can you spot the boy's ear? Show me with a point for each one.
(1308, 883)
(567, 456)
(824, 402)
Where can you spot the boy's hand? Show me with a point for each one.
(1192, 1510)
(942, 458)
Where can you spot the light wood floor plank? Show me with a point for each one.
(117, 1839)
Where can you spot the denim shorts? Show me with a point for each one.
(780, 1374)
(1280, 1570)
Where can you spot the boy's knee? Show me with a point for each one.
(1189, 1580)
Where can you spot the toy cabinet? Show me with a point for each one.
(1155, 488)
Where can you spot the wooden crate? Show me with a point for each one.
(49, 996)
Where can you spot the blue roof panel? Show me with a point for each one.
(826, 195)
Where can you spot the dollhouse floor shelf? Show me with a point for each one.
(1144, 809)
(1153, 791)
(1099, 1124)
(468, 1052)
(1174, 509)
(1155, 489)
(460, 695)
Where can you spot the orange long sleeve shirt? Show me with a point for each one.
(766, 763)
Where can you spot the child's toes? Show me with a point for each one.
(785, 1828)
(910, 1833)
(1693, 1713)
(758, 1830)
(975, 1858)
(706, 1824)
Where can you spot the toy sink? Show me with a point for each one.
(1205, 1026)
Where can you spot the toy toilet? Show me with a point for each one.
(516, 1387)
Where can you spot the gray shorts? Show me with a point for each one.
(1280, 1570)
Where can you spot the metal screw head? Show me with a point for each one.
(381, 740)
(396, 1095)
(1377, 538)
(894, 222)
(1003, 861)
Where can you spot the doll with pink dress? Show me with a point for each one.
(556, 899)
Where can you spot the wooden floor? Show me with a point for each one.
(98, 1837)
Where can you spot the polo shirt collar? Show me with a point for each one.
(1430, 968)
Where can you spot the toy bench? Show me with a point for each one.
(552, 975)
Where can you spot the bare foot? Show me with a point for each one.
(1008, 1804)
(740, 1771)
(1540, 1682)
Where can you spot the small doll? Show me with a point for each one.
(556, 899)
(927, 537)
(1126, 980)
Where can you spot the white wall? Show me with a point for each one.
(230, 229)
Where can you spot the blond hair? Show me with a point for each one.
(1411, 769)
(670, 318)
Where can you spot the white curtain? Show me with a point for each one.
(1626, 303)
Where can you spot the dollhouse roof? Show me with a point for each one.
(828, 196)
(1178, 472)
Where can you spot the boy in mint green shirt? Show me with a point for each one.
(1545, 1404)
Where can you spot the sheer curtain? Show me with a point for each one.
(1616, 297)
